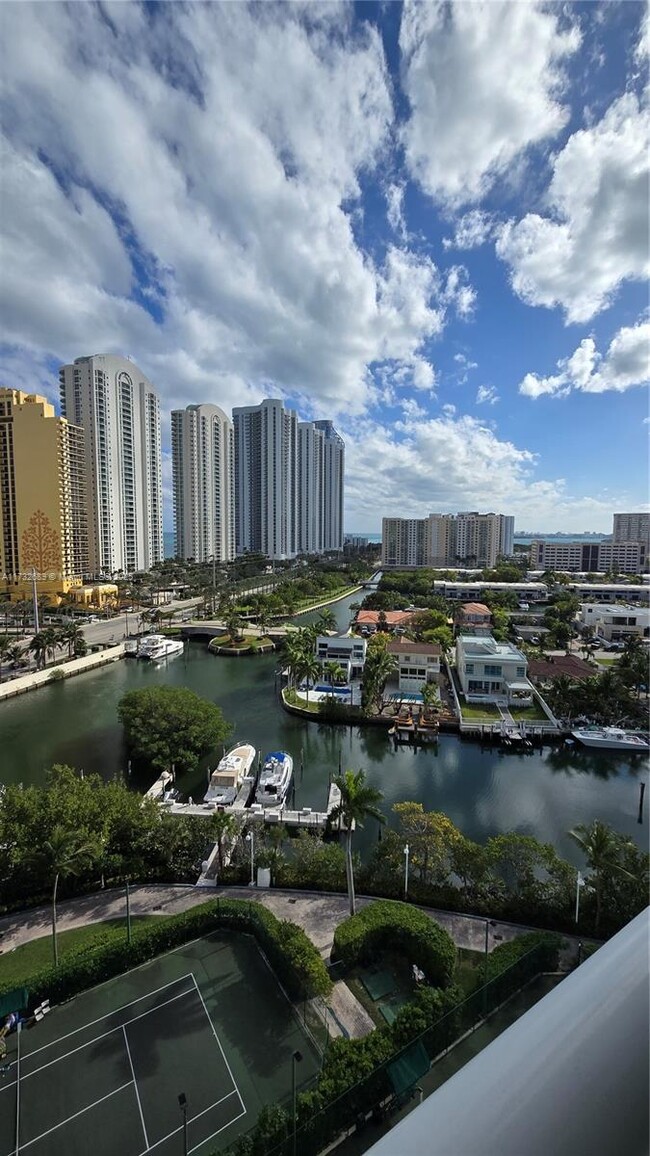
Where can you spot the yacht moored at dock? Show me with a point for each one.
(155, 647)
(275, 779)
(611, 739)
(226, 779)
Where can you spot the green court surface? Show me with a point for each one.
(101, 1075)
(378, 983)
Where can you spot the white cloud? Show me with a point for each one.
(450, 463)
(472, 229)
(625, 365)
(233, 181)
(485, 82)
(395, 202)
(596, 233)
(486, 394)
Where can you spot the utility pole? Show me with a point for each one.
(35, 598)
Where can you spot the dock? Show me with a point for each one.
(304, 818)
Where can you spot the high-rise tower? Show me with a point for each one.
(203, 483)
(119, 412)
(266, 458)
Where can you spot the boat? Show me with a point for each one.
(226, 779)
(611, 739)
(275, 779)
(155, 647)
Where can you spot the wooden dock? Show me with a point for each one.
(304, 818)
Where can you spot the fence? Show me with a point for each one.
(375, 1094)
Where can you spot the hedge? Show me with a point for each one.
(389, 925)
(291, 953)
(503, 956)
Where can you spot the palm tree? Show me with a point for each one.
(71, 634)
(326, 621)
(39, 648)
(359, 801)
(601, 851)
(223, 827)
(334, 672)
(310, 668)
(5, 650)
(65, 853)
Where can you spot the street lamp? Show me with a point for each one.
(406, 872)
(296, 1058)
(250, 838)
(579, 883)
(182, 1103)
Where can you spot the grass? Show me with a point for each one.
(608, 661)
(534, 713)
(475, 710)
(17, 966)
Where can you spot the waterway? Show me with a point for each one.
(482, 790)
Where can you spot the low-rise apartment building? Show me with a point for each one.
(585, 557)
(417, 663)
(491, 671)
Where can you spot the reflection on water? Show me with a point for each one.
(484, 791)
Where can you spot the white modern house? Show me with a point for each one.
(491, 671)
(618, 622)
(119, 411)
(417, 663)
(349, 651)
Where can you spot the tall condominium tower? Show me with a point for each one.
(266, 463)
(120, 415)
(203, 483)
(321, 462)
(632, 528)
(43, 533)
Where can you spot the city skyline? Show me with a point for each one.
(426, 223)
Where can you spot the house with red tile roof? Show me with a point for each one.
(417, 663)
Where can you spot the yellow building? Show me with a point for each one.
(43, 530)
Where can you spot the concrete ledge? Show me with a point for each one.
(69, 668)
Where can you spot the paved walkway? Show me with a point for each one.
(318, 914)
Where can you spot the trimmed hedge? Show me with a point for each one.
(291, 953)
(503, 956)
(396, 926)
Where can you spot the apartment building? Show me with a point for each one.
(203, 475)
(43, 530)
(119, 411)
(468, 539)
(266, 464)
(616, 623)
(333, 486)
(629, 557)
(632, 528)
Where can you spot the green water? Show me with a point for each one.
(482, 790)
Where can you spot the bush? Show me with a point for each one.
(387, 924)
(56, 675)
(506, 954)
(294, 958)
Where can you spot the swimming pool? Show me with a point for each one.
(333, 690)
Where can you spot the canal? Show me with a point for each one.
(483, 791)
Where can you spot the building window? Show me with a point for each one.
(469, 668)
(493, 671)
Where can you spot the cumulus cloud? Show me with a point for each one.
(197, 208)
(395, 209)
(485, 81)
(454, 462)
(486, 394)
(472, 229)
(595, 235)
(625, 365)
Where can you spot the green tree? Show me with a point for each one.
(71, 635)
(359, 801)
(326, 620)
(5, 650)
(224, 828)
(65, 852)
(39, 648)
(603, 854)
(167, 725)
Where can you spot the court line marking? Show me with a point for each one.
(135, 1085)
(99, 1019)
(76, 1114)
(104, 1035)
(214, 1032)
(191, 1120)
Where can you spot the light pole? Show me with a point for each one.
(488, 923)
(250, 838)
(182, 1103)
(579, 883)
(296, 1058)
(406, 872)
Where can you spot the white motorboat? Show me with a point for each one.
(226, 779)
(275, 779)
(611, 739)
(155, 647)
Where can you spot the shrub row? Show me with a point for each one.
(387, 924)
(546, 956)
(290, 952)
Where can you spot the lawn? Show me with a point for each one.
(468, 970)
(18, 965)
(476, 710)
(532, 713)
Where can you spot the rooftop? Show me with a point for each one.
(475, 646)
(393, 617)
(476, 608)
(401, 647)
(545, 669)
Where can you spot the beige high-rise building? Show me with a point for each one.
(43, 530)
(203, 466)
(467, 540)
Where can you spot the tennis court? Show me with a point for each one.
(102, 1074)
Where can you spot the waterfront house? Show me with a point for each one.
(491, 671)
(417, 663)
(367, 621)
(349, 651)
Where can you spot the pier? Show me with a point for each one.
(304, 818)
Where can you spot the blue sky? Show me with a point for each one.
(428, 222)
